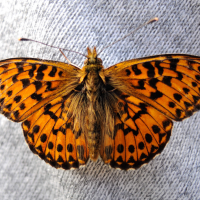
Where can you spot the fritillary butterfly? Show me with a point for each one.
(123, 113)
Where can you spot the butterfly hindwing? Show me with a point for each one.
(50, 134)
(140, 133)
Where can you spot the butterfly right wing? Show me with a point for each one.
(150, 93)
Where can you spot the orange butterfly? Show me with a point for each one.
(123, 113)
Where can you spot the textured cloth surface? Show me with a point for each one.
(76, 24)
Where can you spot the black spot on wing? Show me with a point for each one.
(53, 72)
(49, 88)
(140, 85)
(50, 145)
(51, 114)
(141, 145)
(131, 148)
(136, 70)
(173, 64)
(27, 124)
(127, 130)
(143, 156)
(49, 156)
(22, 106)
(153, 82)
(131, 160)
(19, 65)
(43, 137)
(160, 69)
(119, 159)
(37, 97)
(36, 129)
(167, 80)
(186, 90)
(2, 87)
(31, 72)
(37, 84)
(9, 93)
(120, 148)
(155, 129)
(40, 73)
(166, 123)
(25, 82)
(151, 69)
(156, 95)
(178, 112)
(9, 106)
(180, 76)
(2, 100)
(59, 148)
(177, 96)
(197, 77)
(172, 104)
(148, 138)
(128, 72)
(196, 98)
(16, 114)
(60, 73)
(14, 78)
(39, 148)
(60, 159)
(194, 84)
(17, 99)
(187, 105)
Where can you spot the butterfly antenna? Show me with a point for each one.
(149, 22)
(26, 39)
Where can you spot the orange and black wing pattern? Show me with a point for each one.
(151, 92)
(38, 93)
(140, 99)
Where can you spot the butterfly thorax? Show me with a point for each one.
(93, 88)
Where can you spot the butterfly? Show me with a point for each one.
(123, 113)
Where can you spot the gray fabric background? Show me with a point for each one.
(76, 24)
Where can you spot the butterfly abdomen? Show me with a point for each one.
(93, 90)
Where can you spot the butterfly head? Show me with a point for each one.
(92, 60)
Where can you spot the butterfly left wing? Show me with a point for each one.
(28, 84)
(150, 93)
(39, 93)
